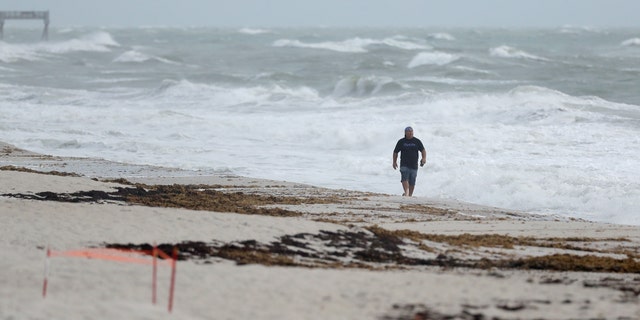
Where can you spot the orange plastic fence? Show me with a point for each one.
(126, 256)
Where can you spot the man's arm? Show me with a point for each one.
(395, 160)
(424, 157)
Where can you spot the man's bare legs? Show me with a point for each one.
(408, 190)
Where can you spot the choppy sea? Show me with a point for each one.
(540, 120)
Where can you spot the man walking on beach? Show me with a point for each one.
(408, 147)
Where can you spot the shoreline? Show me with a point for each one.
(281, 250)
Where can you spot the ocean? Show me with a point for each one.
(545, 121)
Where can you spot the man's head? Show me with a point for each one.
(408, 132)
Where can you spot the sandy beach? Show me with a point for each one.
(260, 249)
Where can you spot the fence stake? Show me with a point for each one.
(173, 277)
(46, 273)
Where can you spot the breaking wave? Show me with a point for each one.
(354, 45)
(94, 42)
(633, 42)
(133, 56)
(513, 53)
(363, 86)
(432, 58)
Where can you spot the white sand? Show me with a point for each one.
(220, 289)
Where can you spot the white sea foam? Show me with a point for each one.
(633, 42)
(432, 58)
(253, 31)
(132, 56)
(571, 29)
(513, 53)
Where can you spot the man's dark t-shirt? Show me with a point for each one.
(408, 149)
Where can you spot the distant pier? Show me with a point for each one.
(25, 15)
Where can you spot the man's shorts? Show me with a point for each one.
(408, 174)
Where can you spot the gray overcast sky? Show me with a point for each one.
(285, 13)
